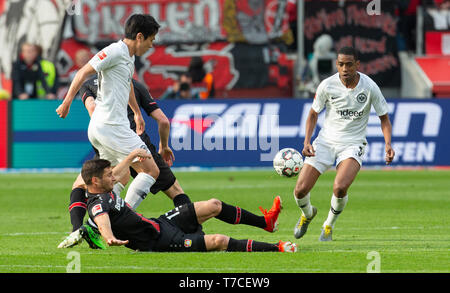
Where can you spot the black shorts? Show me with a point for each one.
(165, 179)
(180, 231)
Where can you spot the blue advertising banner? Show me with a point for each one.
(231, 133)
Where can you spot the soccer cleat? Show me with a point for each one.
(302, 225)
(73, 239)
(271, 216)
(92, 237)
(326, 234)
(286, 246)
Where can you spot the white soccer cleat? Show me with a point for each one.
(326, 234)
(73, 239)
(302, 225)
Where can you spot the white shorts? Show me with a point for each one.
(327, 154)
(114, 142)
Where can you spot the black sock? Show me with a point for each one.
(181, 199)
(77, 207)
(250, 245)
(236, 215)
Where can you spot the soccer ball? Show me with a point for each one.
(288, 162)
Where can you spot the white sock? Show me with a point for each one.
(139, 189)
(305, 205)
(337, 206)
(118, 187)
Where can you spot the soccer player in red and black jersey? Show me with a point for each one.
(166, 180)
(176, 230)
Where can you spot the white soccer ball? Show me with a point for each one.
(288, 162)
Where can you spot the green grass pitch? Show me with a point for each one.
(402, 216)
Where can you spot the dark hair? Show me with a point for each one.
(196, 69)
(184, 86)
(349, 51)
(141, 23)
(93, 168)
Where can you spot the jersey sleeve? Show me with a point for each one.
(378, 101)
(104, 59)
(144, 98)
(320, 98)
(97, 208)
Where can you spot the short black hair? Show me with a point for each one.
(94, 168)
(349, 51)
(141, 23)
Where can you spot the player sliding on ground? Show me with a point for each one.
(176, 230)
(347, 96)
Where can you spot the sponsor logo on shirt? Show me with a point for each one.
(348, 114)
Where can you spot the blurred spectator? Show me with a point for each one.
(26, 73)
(323, 61)
(51, 78)
(202, 82)
(442, 4)
(4, 94)
(81, 58)
(291, 8)
(181, 89)
(407, 13)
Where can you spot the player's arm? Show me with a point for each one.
(104, 226)
(140, 124)
(80, 77)
(386, 128)
(164, 132)
(311, 122)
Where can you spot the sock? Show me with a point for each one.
(181, 199)
(235, 215)
(337, 206)
(249, 245)
(305, 205)
(139, 189)
(117, 189)
(77, 207)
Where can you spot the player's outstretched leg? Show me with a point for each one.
(236, 215)
(306, 180)
(218, 242)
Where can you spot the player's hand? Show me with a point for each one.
(116, 242)
(308, 150)
(141, 154)
(63, 110)
(167, 154)
(390, 153)
(140, 124)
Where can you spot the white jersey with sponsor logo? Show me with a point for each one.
(115, 70)
(347, 110)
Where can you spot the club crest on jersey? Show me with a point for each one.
(97, 209)
(362, 98)
(187, 243)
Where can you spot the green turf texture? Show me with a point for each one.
(403, 216)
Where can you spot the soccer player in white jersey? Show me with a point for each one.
(347, 97)
(109, 128)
